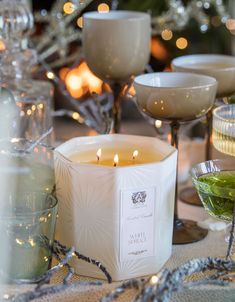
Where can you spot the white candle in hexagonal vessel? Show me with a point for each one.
(116, 204)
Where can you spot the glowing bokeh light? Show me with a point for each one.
(158, 124)
(154, 280)
(230, 24)
(50, 75)
(166, 34)
(76, 116)
(69, 8)
(181, 43)
(80, 22)
(103, 8)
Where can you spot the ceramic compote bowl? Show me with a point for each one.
(177, 98)
(222, 68)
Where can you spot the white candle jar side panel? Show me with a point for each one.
(122, 217)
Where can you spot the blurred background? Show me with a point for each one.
(204, 27)
(179, 28)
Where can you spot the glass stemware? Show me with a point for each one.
(29, 225)
(214, 181)
(32, 97)
(27, 209)
(27, 165)
(176, 98)
(116, 47)
(223, 135)
(222, 68)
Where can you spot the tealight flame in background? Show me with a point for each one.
(115, 160)
(93, 83)
(63, 72)
(81, 80)
(158, 50)
(74, 84)
(135, 154)
(98, 154)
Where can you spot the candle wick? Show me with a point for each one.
(135, 154)
(98, 155)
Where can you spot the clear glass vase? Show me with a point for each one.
(33, 98)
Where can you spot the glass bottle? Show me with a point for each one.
(33, 97)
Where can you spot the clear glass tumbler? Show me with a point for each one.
(27, 228)
(223, 134)
(28, 166)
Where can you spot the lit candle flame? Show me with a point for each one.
(135, 154)
(115, 160)
(98, 154)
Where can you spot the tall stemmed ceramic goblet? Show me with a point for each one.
(116, 47)
(222, 68)
(176, 98)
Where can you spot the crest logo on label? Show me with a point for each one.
(139, 197)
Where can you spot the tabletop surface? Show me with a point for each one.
(213, 245)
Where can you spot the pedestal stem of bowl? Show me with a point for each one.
(117, 106)
(185, 231)
(174, 142)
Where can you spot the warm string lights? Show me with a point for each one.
(70, 7)
(29, 111)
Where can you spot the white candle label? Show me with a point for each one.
(137, 224)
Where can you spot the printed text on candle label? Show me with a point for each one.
(137, 224)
